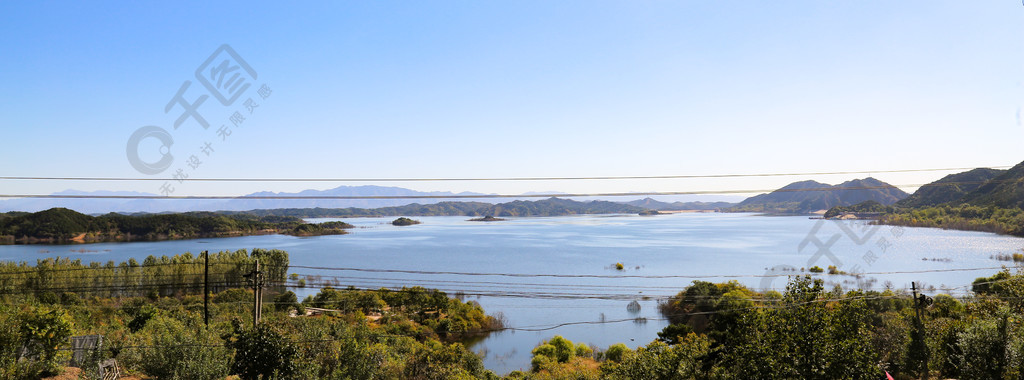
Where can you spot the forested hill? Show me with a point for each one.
(810, 196)
(60, 225)
(977, 200)
(1004, 191)
(545, 207)
(951, 188)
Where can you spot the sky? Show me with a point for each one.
(472, 89)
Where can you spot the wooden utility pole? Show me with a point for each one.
(917, 310)
(917, 334)
(256, 278)
(206, 288)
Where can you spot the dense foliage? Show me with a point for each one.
(977, 200)
(366, 334)
(725, 331)
(58, 279)
(403, 221)
(960, 217)
(60, 225)
(717, 330)
(863, 207)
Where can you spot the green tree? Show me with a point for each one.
(44, 331)
(806, 336)
(659, 361)
(182, 353)
(983, 349)
(261, 353)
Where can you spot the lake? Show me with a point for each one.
(566, 265)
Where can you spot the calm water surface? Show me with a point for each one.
(667, 251)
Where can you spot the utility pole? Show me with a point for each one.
(918, 348)
(917, 309)
(206, 288)
(256, 279)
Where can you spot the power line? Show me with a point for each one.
(605, 276)
(490, 196)
(478, 179)
(31, 270)
(453, 196)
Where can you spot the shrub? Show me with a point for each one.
(616, 351)
(179, 353)
(285, 301)
(43, 331)
(261, 351)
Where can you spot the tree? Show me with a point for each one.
(983, 349)
(43, 331)
(261, 352)
(806, 336)
(671, 334)
(182, 353)
(660, 361)
(285, 301)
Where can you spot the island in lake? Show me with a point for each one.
(403, 221)
(488, 218)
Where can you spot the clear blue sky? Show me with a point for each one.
(519, 88)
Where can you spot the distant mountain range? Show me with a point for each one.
(543, 207)
(102, 206)
(810, 196)
(406, 197)
(651, 204)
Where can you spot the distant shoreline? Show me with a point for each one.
(87, 238)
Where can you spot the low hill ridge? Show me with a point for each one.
(809, 196)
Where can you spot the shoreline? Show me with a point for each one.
(83, 238)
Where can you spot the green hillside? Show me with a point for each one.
(1005, 190)
(950, 188)
(967, 201)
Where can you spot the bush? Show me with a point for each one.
(43, 331)
(616, 351)
(285, 301)
(661, 361)
(10, 341)
(983, 350)
(233, 296)
(178, 353)
(261, 351)
(141, 316)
